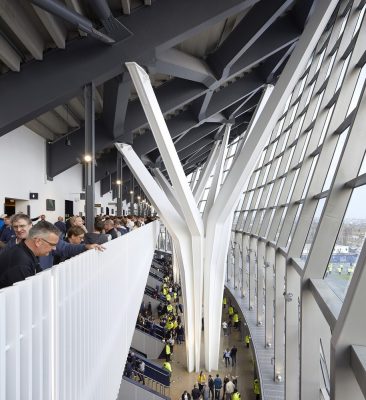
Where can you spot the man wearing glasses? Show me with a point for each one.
(21, 261)
(22, 224)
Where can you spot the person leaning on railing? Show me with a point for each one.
(21, 261)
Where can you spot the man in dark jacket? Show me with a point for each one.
(21, 261)
(61, 226)
(110, 229)
(196, 394)
(22, 225)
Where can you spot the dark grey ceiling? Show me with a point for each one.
(207, 59)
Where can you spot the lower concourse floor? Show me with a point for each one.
(244, 370)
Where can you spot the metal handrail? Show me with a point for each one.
(147, 331)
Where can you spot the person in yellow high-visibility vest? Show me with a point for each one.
(247, 340)
(236, 395)
(168, 367)
(169, 308)
(257, 389)
(236, 320)
(168, 297)
(169, 325)
(167, 351)
(224, 301)
(231, 310)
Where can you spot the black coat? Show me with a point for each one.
(16, 264)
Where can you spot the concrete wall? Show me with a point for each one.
(23, 170)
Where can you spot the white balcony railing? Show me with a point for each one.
(65, 333)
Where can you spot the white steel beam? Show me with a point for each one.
(206, 172)
(180, 236)
(237, 258)
(216, 181)
(245, 163)
(279, 325)
(358, 363)
(269, 298)
(261, 251)
(193, 180)
(177, 176)
(253, 243)
(292, 338)
(262, 130)
(245, 249)
(258, 111)
(166, 146)
(168, 190)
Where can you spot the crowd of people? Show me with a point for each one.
(135, 367)
(213, 387)
(28, 247)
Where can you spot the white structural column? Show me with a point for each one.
(311, 332)
(238, 259)
(206, 172)
(214, 273)
(188, 205)
(280, 297)
(245, 164)
(292, 373)
(252, 270)
(180, 236)
(245, 250)
(261, 251)
(216, 181)
(269, 282)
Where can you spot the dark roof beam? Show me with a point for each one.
(245, 34)
(115, 99)
(182, 65)
(283, 33)
(63, 74)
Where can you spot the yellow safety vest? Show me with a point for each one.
(169, 307)
(224, 301)
(235, 396)
(167, 348)
(231, 310)
(168, 297)
(256, 387)
(167, 366)
(236, 317)
(247, 339)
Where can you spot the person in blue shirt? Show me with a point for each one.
(217, 386)
(7, 231)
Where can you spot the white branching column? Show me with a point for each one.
(201, 244)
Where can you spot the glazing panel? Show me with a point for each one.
(348, 245)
